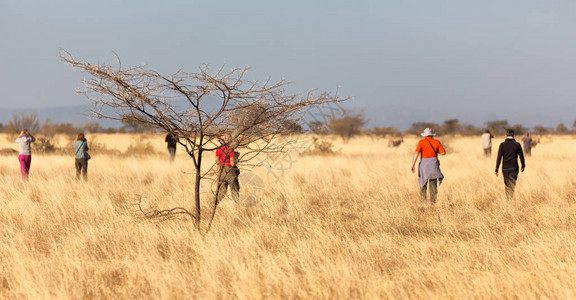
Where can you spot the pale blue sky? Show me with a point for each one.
(442, 59)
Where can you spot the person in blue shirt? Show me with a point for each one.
(82, 156)
(527, 141)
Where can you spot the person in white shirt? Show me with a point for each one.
(487, 142)
(24, 140)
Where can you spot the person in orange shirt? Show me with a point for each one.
(429, 168)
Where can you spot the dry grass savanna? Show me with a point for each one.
(347, 225)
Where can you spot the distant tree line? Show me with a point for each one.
(19, 122)
(499, 127)
(350, 123)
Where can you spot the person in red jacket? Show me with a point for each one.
(226, 159)
(429, 168)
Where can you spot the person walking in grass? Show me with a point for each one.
(527, 141)
(487, 142)
(226, 159)
(508, 154)
(81, 150)
(429, 173)
(24, 140)
(171, 140)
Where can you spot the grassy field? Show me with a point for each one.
(348, 225)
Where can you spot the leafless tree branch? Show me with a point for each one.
(199, 109)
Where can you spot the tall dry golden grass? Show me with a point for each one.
(349, 225)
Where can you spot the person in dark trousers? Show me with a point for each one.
(81, 150)
(527, 141)
(429, 168)
(171, 140)
(508, 154)
(226, 159)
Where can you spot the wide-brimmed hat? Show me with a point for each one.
(428, 132)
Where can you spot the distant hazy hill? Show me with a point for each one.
(76, 115)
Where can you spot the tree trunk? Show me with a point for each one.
(197, 188)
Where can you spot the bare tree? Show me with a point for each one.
(49, 128)
(498, 127)
(383, 132)
(199, 109)
(451, 126)
(541, 130)
(561, 129)
(317, 127)
(348, 125)
(134, 126)
(418, 127)
(92, 127)
(519, 129)
(20, 122)
(292, 127)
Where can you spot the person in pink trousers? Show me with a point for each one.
(25, 139)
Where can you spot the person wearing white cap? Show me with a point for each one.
(429, 168)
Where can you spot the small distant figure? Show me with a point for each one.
(24, 140)
(171, 140)
(395, 142)
(527, 142)
(82, 156)
(487, 142)
(429, 167)
(226, 159)
(508, 153)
